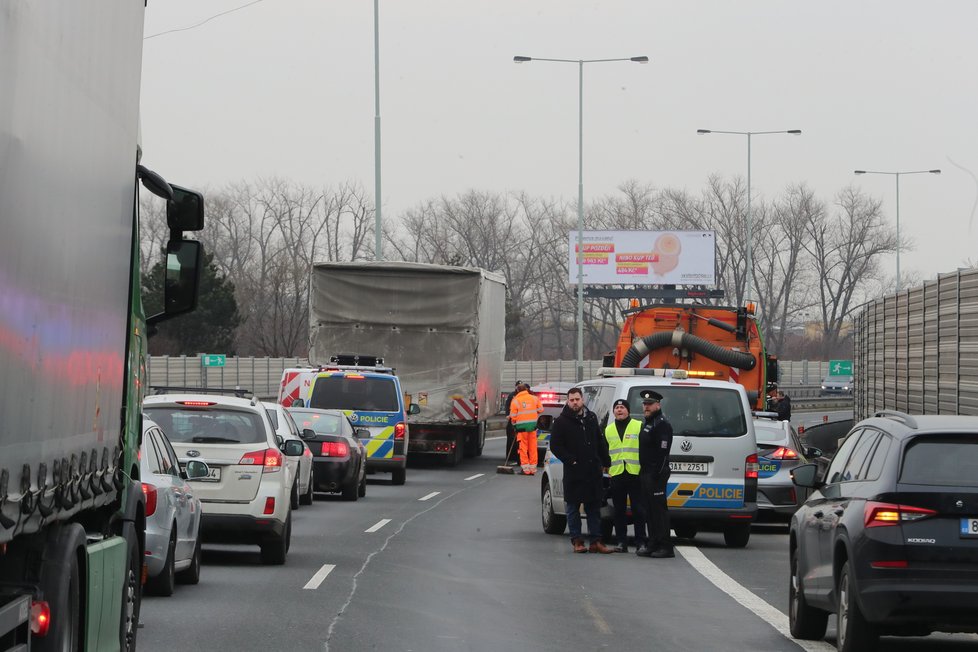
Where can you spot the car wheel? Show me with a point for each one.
(684, 531)
(164, 583)
(362, 487)
(553, 523)
(398, 476)
(294, 496)
(854, 633)
(191, 575)
(274, 549)
(737, 536)
(351, 491)
(306, 498)
(806, 623)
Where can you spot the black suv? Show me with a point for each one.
(889, 538)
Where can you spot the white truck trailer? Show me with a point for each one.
(441, 327)
(72, 327)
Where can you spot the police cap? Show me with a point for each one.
(648, 396)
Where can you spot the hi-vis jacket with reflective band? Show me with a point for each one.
(524, 410)
(624, 450)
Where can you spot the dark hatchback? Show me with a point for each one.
(888, 540)
(339, 459)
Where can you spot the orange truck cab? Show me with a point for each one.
(715, 342)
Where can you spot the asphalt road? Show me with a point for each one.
(456, 560)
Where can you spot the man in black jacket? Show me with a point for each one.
(576, 440)
(654, 442)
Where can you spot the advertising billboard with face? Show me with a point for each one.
(644, 257)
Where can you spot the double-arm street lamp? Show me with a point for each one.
(896, 175)
(580, 190)
(750, 235)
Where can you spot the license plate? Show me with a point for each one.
(689, 467)
(214, 474)
(969, 528)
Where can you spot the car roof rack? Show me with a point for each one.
(239, 392)
(609, 372)
(896, 415)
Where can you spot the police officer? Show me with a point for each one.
(622, 436)
(654, 442)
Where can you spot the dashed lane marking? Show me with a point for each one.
(318, 578)
(430, 496)
(379, 524)
(738, 592)
(473, 477)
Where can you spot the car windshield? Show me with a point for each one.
(768, 433)
(208, 426)
(355, 392)
(698, 411)
(942, 461)
(318, 422)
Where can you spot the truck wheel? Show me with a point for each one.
(553, 523)
(475, 441)
(191, 575)
(132, 590)
(163, 584)
(274, 549)
(398, 476)
(61, 583)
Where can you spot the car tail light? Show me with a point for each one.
(783, 453)
(399, 430)
(883, 514)
(893, 563)
(197, 403)
(269, 505)
(751, 467)
(40, 617)
(335, 449)
(149, 491)
(269, 458)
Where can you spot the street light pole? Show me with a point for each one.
(749, 220)
(580, 189)
(377, 222)
(896, 175)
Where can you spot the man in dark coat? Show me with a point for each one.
(576, 440)
(784, 406)
(654, 442)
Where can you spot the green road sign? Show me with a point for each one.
(213, 360)
(840, 367)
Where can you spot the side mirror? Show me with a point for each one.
(197, 469)
(812, 451)
(298, 402)
(185, 211)
(805, 475)
(281, 441)
(294, 448)
(308, 433)
(362, 433)
(184, 259)
(544, 421)
(414, 408)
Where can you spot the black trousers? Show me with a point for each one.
(657, 510)
(625, 487)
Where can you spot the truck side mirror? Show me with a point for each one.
(185, 211)
(181, 279)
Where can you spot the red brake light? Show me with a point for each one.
(399, 430)
(751, 466)
(335, 449)
(273, 460)
(783, 453)
(253, 458)
(894, 563)
(40, 617)
(197, 403)
(883, 514)
(149, 491)
(269, 505)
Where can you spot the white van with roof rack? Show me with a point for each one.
(713, 484)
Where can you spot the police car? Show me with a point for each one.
(714, 462)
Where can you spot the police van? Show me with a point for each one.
(369, 393)
(713, 459)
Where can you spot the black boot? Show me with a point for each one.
(644, 550)
(662, 553)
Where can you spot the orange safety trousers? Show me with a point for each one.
(528, 451)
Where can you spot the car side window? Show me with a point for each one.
(167, 450)
(875, 467)
(155, 463)
(290, 422)
(590, 392)
(834, 474)
(166, 462)
(859, 460)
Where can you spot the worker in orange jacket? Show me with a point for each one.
(523, 413)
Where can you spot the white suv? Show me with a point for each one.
(245, 498)
(713, 484)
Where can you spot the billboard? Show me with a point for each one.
(645, 257)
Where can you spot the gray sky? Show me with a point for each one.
(286, 88)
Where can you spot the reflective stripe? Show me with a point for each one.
(525, 408)
(623, 450)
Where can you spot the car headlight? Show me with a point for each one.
(823, 386)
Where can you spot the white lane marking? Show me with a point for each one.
(759, 607)
(496, 437)
(320, 575)
(430, 496)
(379, 524)
(473, 477)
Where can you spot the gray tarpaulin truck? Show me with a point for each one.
(72, 327)
(441, 327)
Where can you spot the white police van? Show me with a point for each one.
(713, 484)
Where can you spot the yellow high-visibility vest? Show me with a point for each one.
(623, 450)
